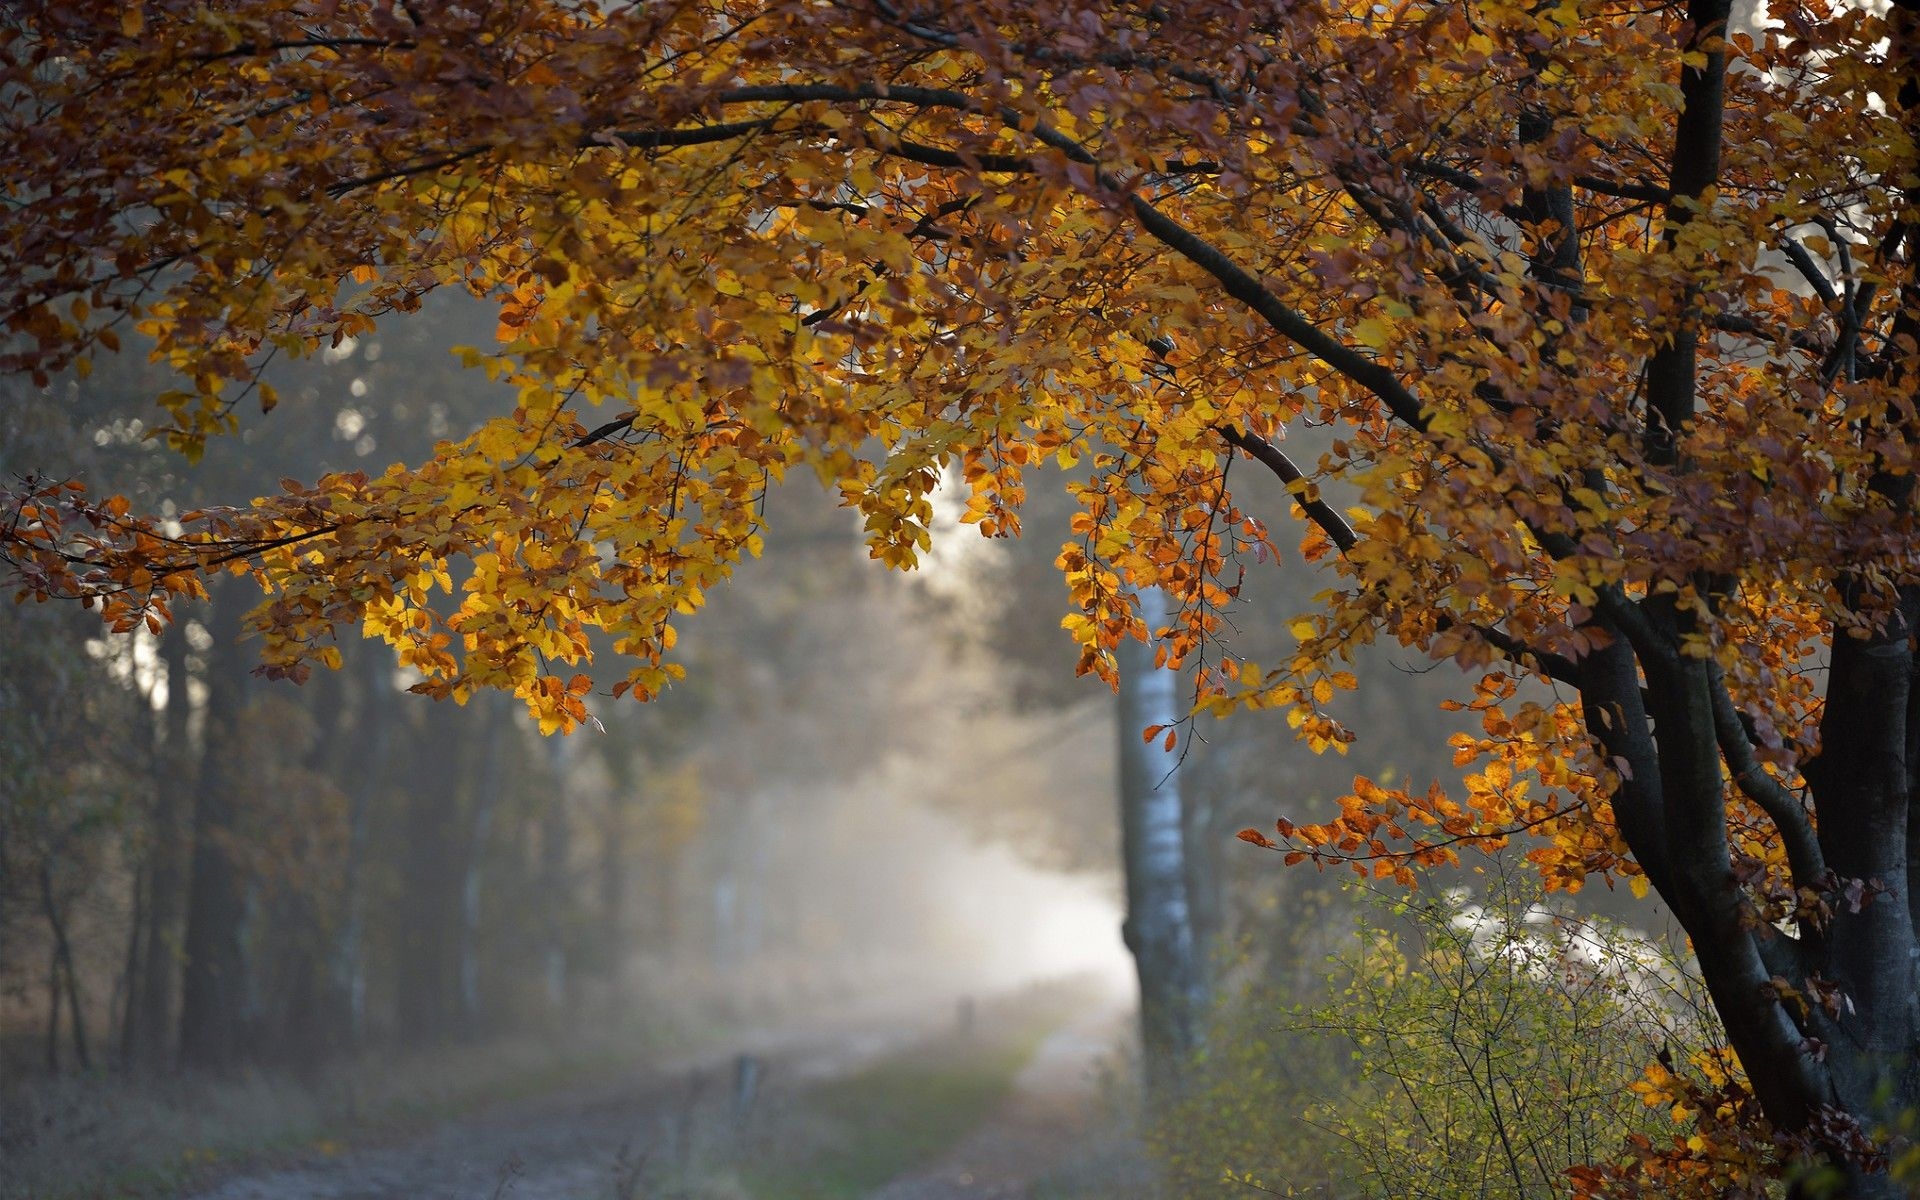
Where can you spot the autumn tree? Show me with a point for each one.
(1611, 306)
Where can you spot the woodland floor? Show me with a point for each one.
(903, 1109)
(1033, 1134)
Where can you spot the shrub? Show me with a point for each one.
(1460, 1045)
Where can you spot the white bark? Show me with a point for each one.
(1159, 928)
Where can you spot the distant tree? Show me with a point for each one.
(1613, 309)
(71, 782)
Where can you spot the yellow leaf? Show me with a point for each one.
(1372, 332)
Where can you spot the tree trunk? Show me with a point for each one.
(151, 1005)
(61, 967)
(556, 850)
(494, 729)
(372, 738)
(131, 968)
(53, 1010)
(611, 933)
(1204, 840)
(429, 918)
(213, 983)
(1159, 924)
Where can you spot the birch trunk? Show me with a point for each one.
(1159, 924)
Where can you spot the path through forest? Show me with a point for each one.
(659, 1132)
(1055, 1099)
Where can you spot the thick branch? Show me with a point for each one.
(696, 135)
(1553, 666)
(1802, 261)
(1780, 805)
(1696, 169)
(1614, 710)
(1707, 897)
(1242, 286)
(959, 160)
(1557, 667)
(1238, 282)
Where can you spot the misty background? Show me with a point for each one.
(877, 797)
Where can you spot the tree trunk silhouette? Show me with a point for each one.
(429, 917)
(150, 1002)
(494, 729)
(63, 983)
(123, 1006)
(556, 852)
(213, 983)
(372, 743)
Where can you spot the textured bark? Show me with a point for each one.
(1159, 924)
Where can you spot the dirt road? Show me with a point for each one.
(1054, 1101)
(598, 1143)
(636, 1137)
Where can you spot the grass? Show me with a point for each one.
(100, 1136)
(846, 1137)
(91, 1138)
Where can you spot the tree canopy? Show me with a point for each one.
(1608, 307)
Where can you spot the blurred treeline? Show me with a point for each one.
(201, 869)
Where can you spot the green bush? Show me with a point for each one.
(1459, 1046)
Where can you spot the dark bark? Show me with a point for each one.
(63, 982)
(214, 983)
(426, 979)
(1702, 886)
(1860, 787)
(1672, 370)
(151, 1003)
(372, 742)
(1706, 895)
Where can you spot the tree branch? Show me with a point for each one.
(696, 135)
(612, 428)
(1802, 261)
(1557, 667)
(1241, 284)
(1274, 459)
(1554, 666)
(1808, 865)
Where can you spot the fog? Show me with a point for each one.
(855, 882)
